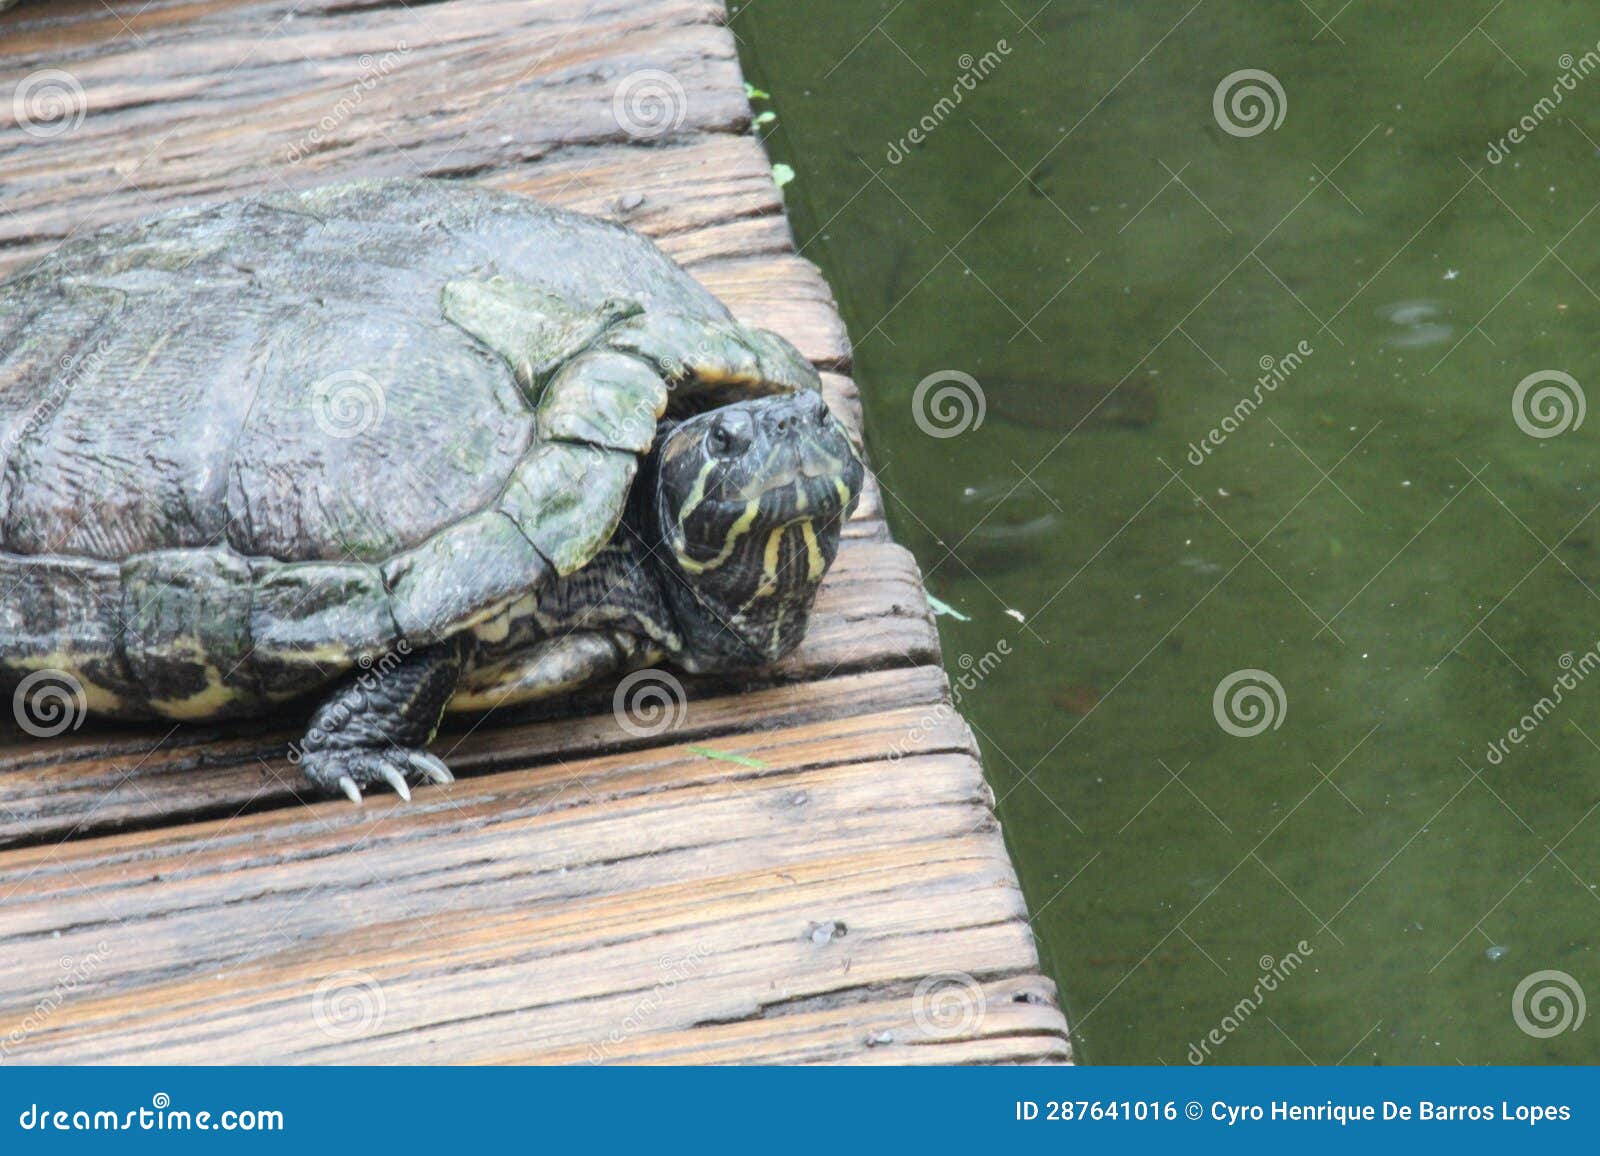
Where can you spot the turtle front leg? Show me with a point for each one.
(374, 728)
(561, 665)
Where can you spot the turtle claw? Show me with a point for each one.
(396, 780)
(349, 771)
(430, 767)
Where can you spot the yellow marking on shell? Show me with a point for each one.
(492, 612)
(709, 373)
(96, 698)
(202, 704)
(333, 654)
(498, 628)
(208, 702)
(100, 698)
(738, 530)
(843, 491)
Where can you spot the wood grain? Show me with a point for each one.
(803, 868)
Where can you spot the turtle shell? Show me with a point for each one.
(247, 446)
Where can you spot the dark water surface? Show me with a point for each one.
(1252, 440)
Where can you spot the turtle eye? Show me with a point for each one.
(730, 435)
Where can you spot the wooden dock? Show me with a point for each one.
(804, 870)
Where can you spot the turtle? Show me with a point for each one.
(388, 449)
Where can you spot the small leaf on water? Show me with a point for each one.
(751, 92)
(783, 174)
(724, 756)
(765, 118)
(944, 609)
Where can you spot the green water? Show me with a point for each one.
(1082, 237)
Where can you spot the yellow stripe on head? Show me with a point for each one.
(697, 493)
(814, 563)
(738, 530)
(769, 564)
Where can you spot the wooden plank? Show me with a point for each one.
(806, 868)
(570, 869)
(701, 198)
(156, 777)
(226, 97)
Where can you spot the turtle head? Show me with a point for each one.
(746, 505)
